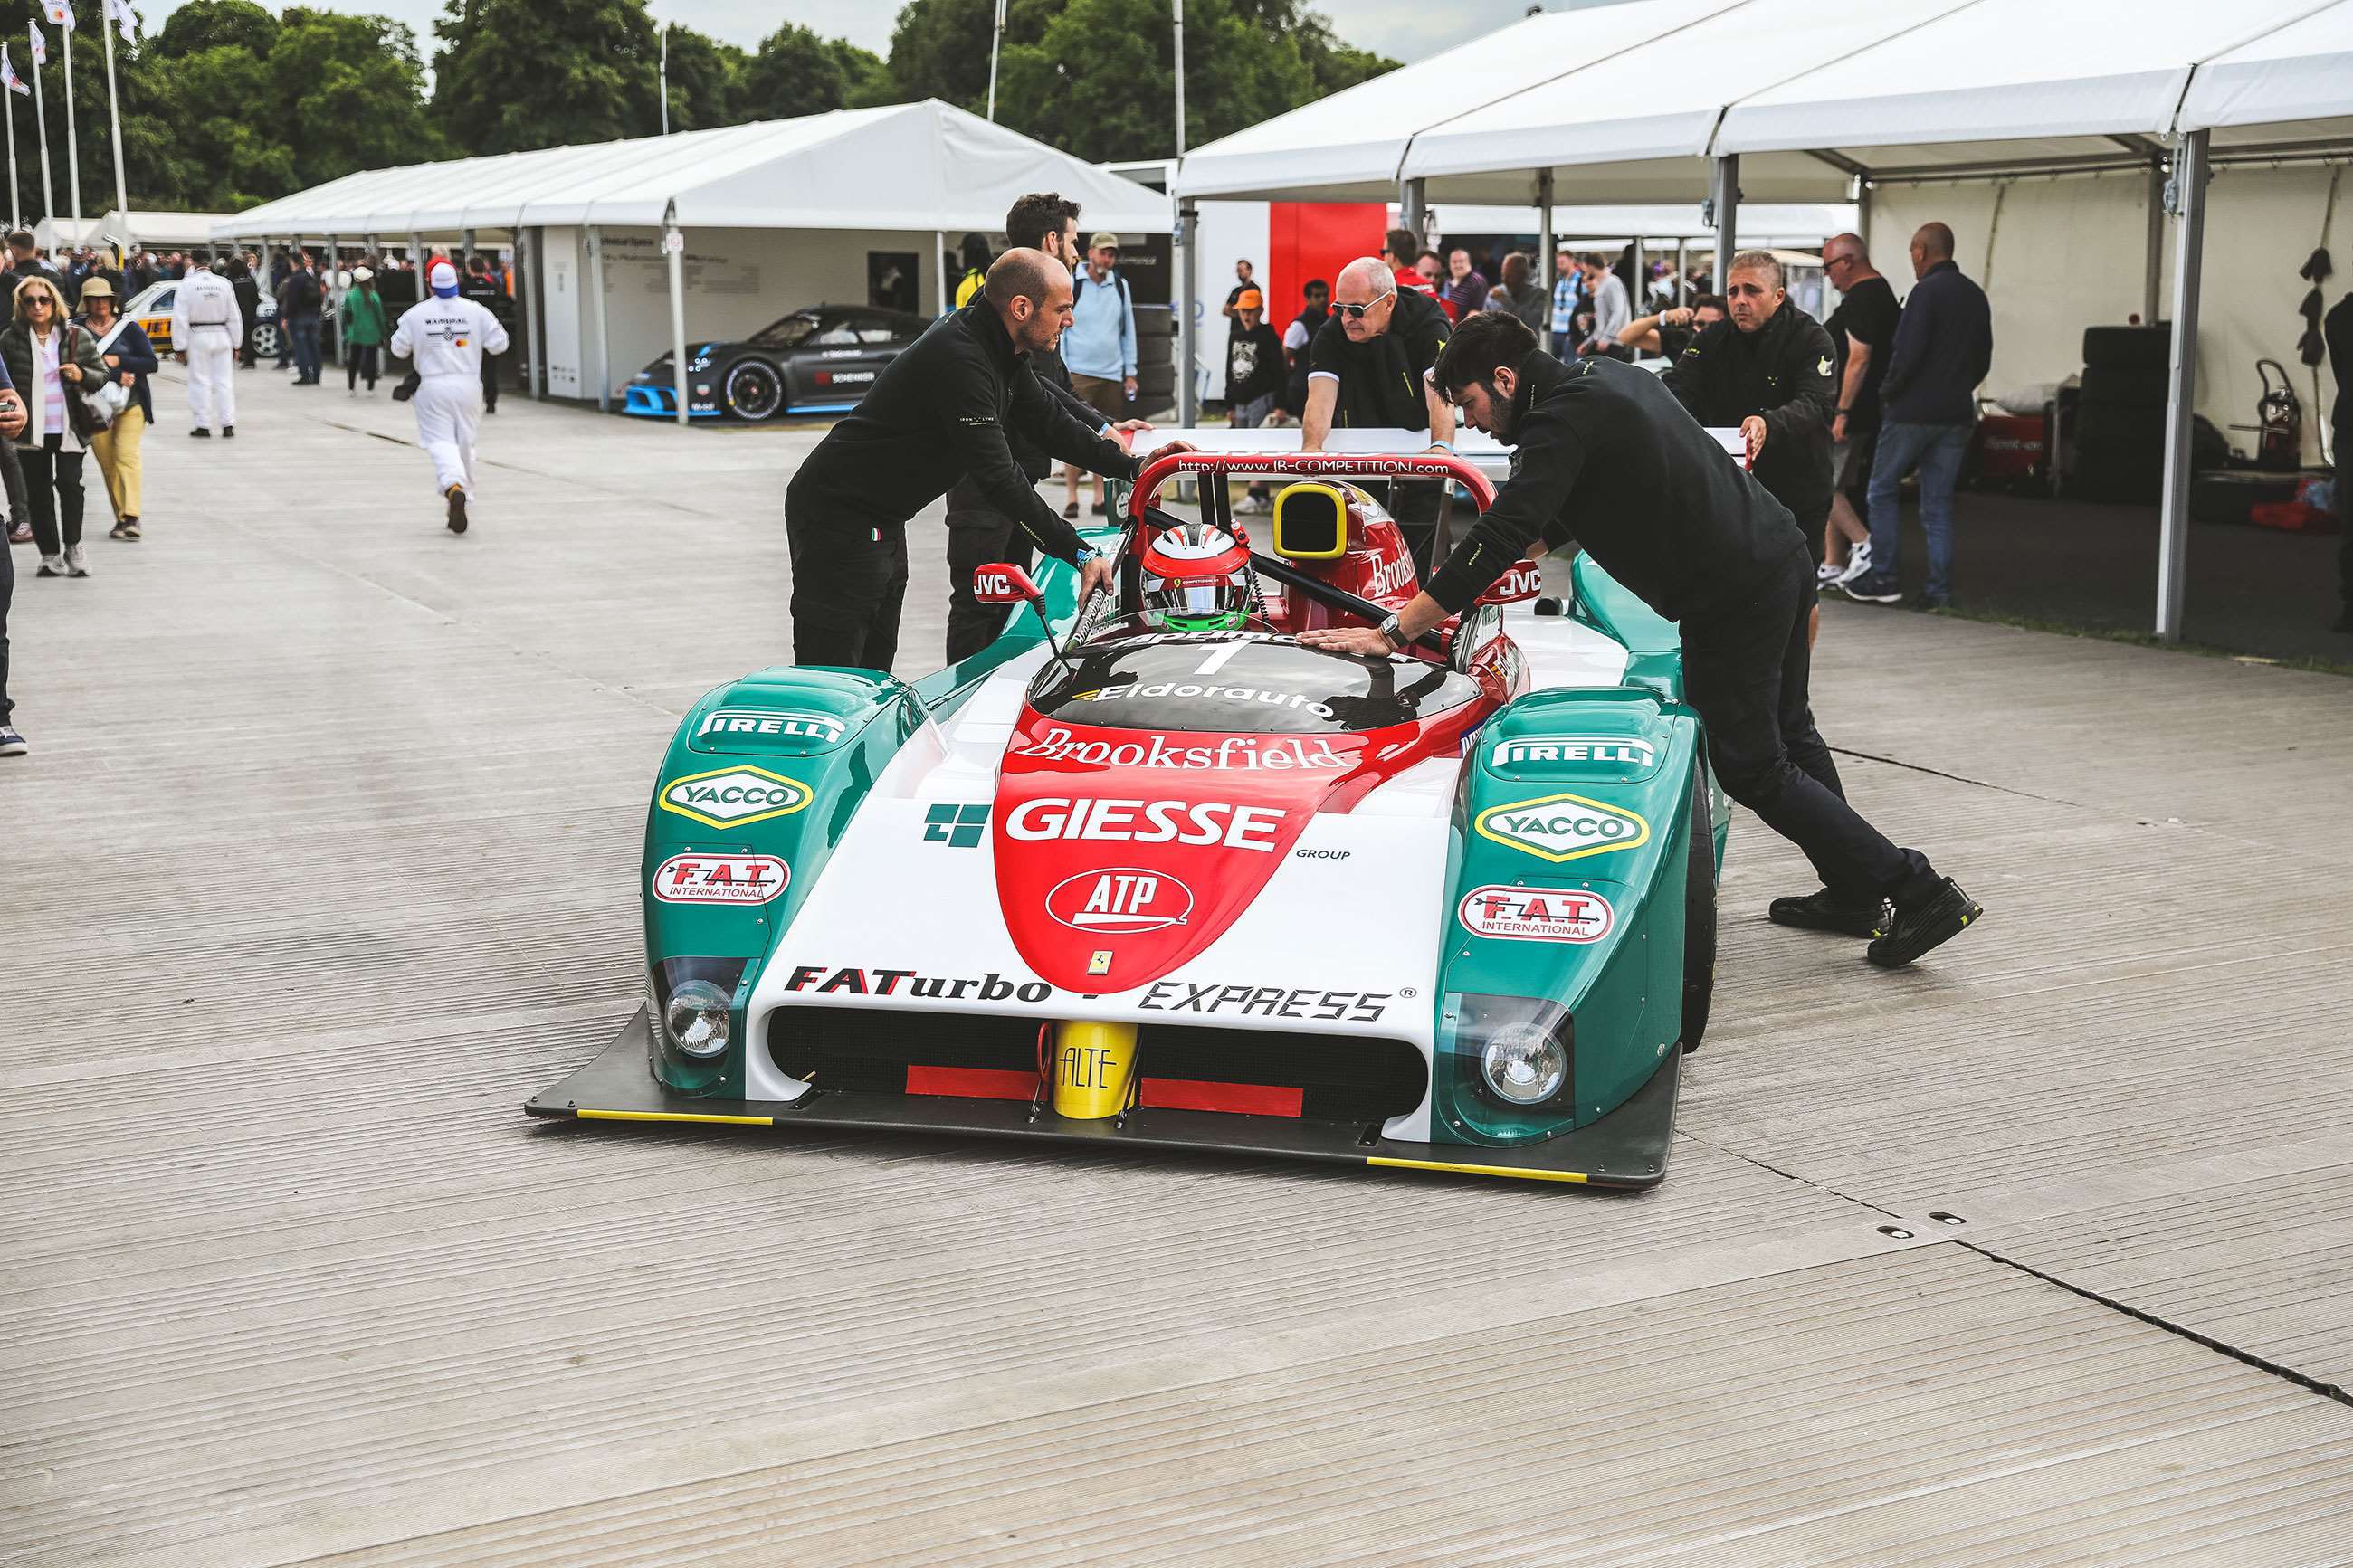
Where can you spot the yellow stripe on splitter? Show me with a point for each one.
(1577, 1176)
(676, 1116)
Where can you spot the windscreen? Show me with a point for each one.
(1247, 681)
(785, 334)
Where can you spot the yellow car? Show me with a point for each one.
(151, 309)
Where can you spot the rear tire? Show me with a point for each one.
(1699, 917)
(754, 390)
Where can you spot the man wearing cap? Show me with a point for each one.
(1099, 347)
(206, 327)
(1255, 375)
(445, 337)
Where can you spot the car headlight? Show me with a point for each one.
(693, 1001)
(1520, 1062)
(1516, 1053)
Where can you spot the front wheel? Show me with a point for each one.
(265, 340)
(1699, 916)
(754, 390)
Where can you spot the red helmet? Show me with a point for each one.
(1196, 578)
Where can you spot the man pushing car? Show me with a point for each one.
(937, 413)
(1607, 455)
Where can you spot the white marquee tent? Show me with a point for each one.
(768, 215)
(2068, 130)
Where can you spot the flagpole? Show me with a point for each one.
(73, 153)
(114, 124)
(41, 124)
(15, 207)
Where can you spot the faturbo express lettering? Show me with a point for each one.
(1267, 1002)
(856, 982)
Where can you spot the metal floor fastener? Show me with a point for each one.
(324, 860)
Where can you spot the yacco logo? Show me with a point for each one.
(1535, 914)
(770, 724)
(719, 878)
(730, 797)
(1242, 752)
(1563, 826)
(1196, 689)
(1164, 822)
(855, 981)
(1122, 900)
(1574, 749)
(957, 827)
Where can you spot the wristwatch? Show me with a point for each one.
(1086, 552)
(1392, 634)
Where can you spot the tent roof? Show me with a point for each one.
(1636, 125)
(918, 166)
(2006, 81)
(2297, 79)
(1351, 145)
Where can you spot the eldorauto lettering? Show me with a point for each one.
(817, 979)
(1267, 1002)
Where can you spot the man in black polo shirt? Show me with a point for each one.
(1605, 454)
(1368, 367)
(1863, 330)
(938, 412)
(1767, 369)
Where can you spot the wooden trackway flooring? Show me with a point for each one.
(324, 861)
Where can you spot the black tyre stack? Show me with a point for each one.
(2120, 414)
(1155, 359)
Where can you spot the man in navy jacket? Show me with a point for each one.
(1944, 346)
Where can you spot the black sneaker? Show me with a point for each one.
(1825, 911)
(229, 432)
(201, 433)
(1875, 590)
(11, 744)
(1938, 918)
(456, 509)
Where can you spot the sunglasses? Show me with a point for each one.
(1357, 312)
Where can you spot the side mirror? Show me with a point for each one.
(1002, 583)
(1524, 582)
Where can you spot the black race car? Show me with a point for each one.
(818, 360)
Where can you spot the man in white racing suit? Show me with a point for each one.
(206, 326)
(445, 337)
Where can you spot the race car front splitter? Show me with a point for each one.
(1626, 1149)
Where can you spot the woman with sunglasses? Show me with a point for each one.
(52, 362)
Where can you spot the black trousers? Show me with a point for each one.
(1745, 671)
(490, 381)
(53, 486)
(2345, 515)
(12, 475)
(978, 535)
(848, 584)
(363, 363)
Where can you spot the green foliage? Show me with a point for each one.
(512, 75)
(706, 81)
(795, 72)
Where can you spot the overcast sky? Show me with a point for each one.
(1402, 29)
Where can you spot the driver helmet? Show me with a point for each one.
(1196, 578)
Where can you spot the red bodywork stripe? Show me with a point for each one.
(972, 1083)
(1236, 1099)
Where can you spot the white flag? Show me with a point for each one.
(125, 18)
(59, 13)
(8, 77)
(40, 44)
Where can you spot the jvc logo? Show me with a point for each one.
(995, 583)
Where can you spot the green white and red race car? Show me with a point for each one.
(1112, 882)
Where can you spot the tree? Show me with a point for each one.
(795, 72)
(351, 92)
(512, 75)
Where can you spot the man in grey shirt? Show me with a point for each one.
(1611, 310)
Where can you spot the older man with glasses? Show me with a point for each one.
(1368, 367)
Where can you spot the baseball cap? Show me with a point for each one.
(1251, 299)
(1102, 240)
(359, 274)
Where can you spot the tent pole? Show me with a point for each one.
(528, 245)
(596, 282)
(1414, 213)
(1682, 268)
(2153, 265)
(940, 253)
(1636, 292)
(1723, 205)
(1189, 235)
(2188, 205)
(1547, 267)
(674, 247)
